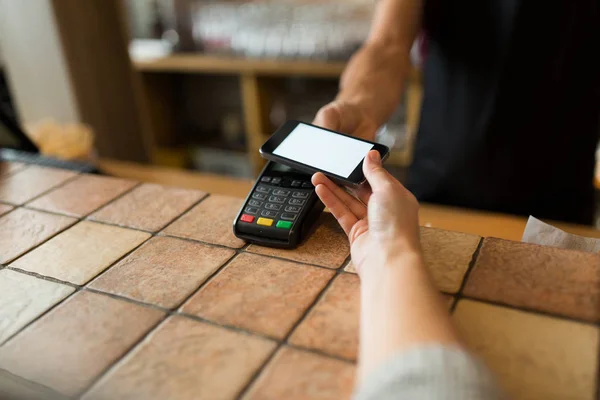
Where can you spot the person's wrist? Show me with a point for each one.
(384, 264)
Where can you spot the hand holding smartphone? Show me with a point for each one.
(310, 149)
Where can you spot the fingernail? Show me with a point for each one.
(374, 156)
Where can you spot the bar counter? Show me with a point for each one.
(112, 288)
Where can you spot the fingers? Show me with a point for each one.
(338, 116)
(355, 206)
(328, 117)
(376, 175)
(344, 216)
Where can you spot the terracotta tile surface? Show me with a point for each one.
(332, 325)
(4, 208)
(163, 271)
(149, 207)
(8, 168)
(554, 280)
(327, 246)
(533, 356)
(447, 255)
(185, 359)
(296, 374)
(260, 294)
(210, 221)
(82, 195)
(24, 185)
(21, 229)
(24, 298)
(81, 252)
(70, 346)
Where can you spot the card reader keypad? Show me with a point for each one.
(276, 202)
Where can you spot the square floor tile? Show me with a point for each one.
(549, 279)
(69, 347)
(260, 294)
(448, 254)
(210, 221)
(332, 325)
(21, 229)
(81, 252)
(4, 208)
(9, 168)
(185, 359)
(149, 207)
(163, 271)
(296, 374)
(82, 195)
(532, 356)
(327, 246)
(24, 185)
(24, 298)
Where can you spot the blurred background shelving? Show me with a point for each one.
(218, 77)
(191, 84)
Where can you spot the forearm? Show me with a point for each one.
(400, 309)
(375, 76)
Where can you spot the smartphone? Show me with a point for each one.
(309, 148)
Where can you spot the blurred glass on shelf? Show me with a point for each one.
(282, 29)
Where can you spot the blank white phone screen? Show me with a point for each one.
(327, 151)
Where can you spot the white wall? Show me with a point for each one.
(34, 63)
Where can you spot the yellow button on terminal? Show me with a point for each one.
(264, 221)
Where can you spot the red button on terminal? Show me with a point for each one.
(247, 218)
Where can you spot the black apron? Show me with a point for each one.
(511, 109)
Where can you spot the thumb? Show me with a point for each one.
(328, 117)
(339, 116)
(376, 175)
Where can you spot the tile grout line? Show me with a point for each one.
(29, 250)
(118, 260)
(44, 277)
(53, 188)
(77, 219)
(208, 279)
(24, 166)
(84, 216)
(459, 294)
(320, 353)
(533, 311)
(285, 339)
(187, 210)
(153, 233)
(37, 318)
(59, 281)
(121, 358)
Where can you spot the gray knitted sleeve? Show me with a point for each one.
(428, 373)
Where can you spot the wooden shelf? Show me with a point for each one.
(199, 63)
(256, 82)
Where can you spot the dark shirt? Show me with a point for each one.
(511, 108)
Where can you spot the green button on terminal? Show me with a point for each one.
(284, 224)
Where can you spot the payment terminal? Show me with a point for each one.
(280, 210)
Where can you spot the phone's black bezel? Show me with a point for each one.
(355, 178)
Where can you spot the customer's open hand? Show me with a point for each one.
(386, 227)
